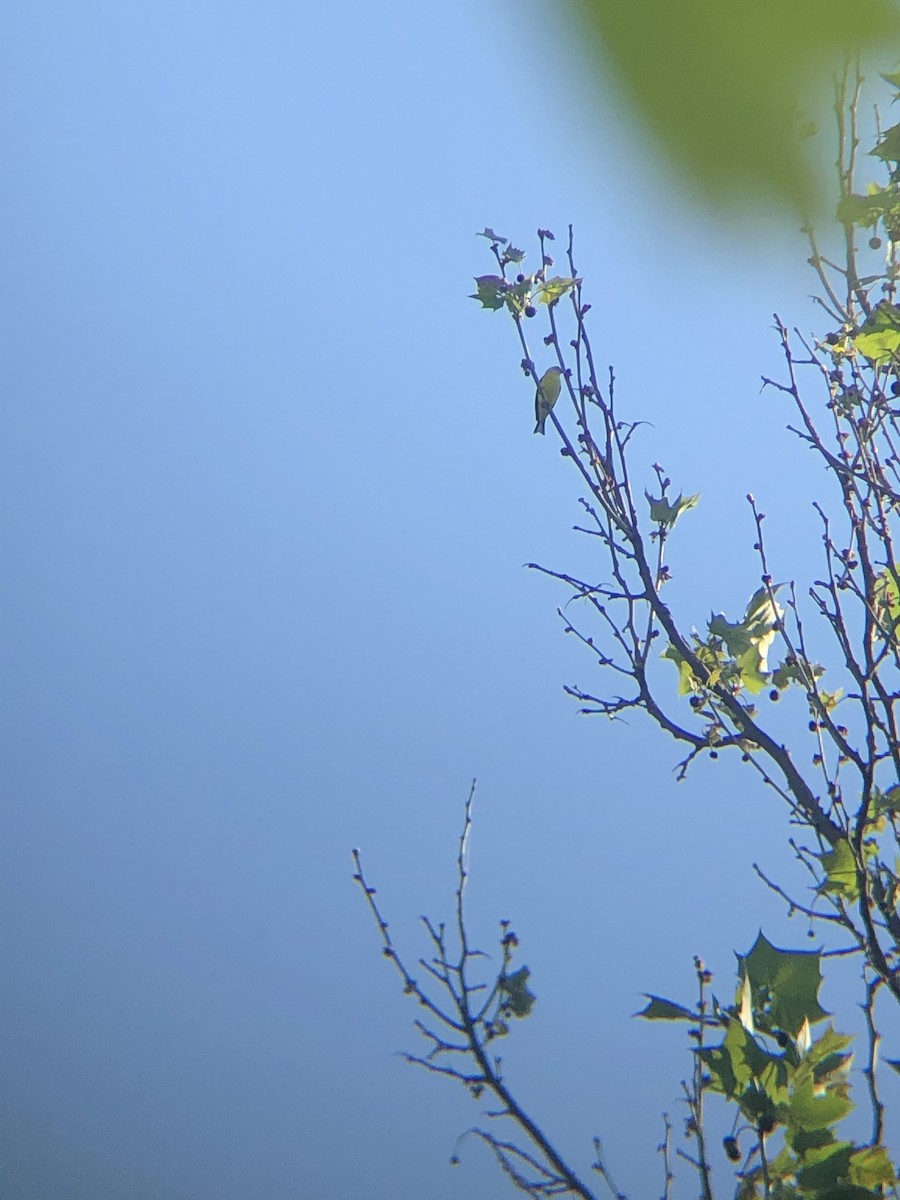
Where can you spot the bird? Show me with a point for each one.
(546, 396)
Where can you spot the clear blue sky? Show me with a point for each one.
(269, 482)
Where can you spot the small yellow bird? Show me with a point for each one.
(546, 396)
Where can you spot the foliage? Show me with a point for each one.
(762, 62)
(769, 1052)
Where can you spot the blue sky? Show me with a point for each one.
(270, 481)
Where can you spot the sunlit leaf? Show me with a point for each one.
(753, 667)
(830, 700)
(871, 1167)
(839, 866)
(553, 289)
(879, 336)
(886, 600)
(685, 673)
(667, 514)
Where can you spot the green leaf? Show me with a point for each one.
(660, 1009)
(840, 872)
(826, 1056)
(517, 998)
(830, 700)
(759, 61)
(753, 667)
(736, 636)
(888, 147)
(785, 985)
(685, 673)
(760, 619)
(887, 598)
(806, 1140)
(847, 1191)
(688, 681)
(749, 641)
(667, 514)
(491, 291)
(488, 233)
(739, 1064)
(879, 336)
(763, 612)
(871, 1168)
(553, 289)
(888, 801)
(810, 1108)
(880, 204)
(796, 669)
(826, 1168)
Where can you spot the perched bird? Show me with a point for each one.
(546, 396)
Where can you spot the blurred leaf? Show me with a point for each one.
(518, 998)
(720, 86)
